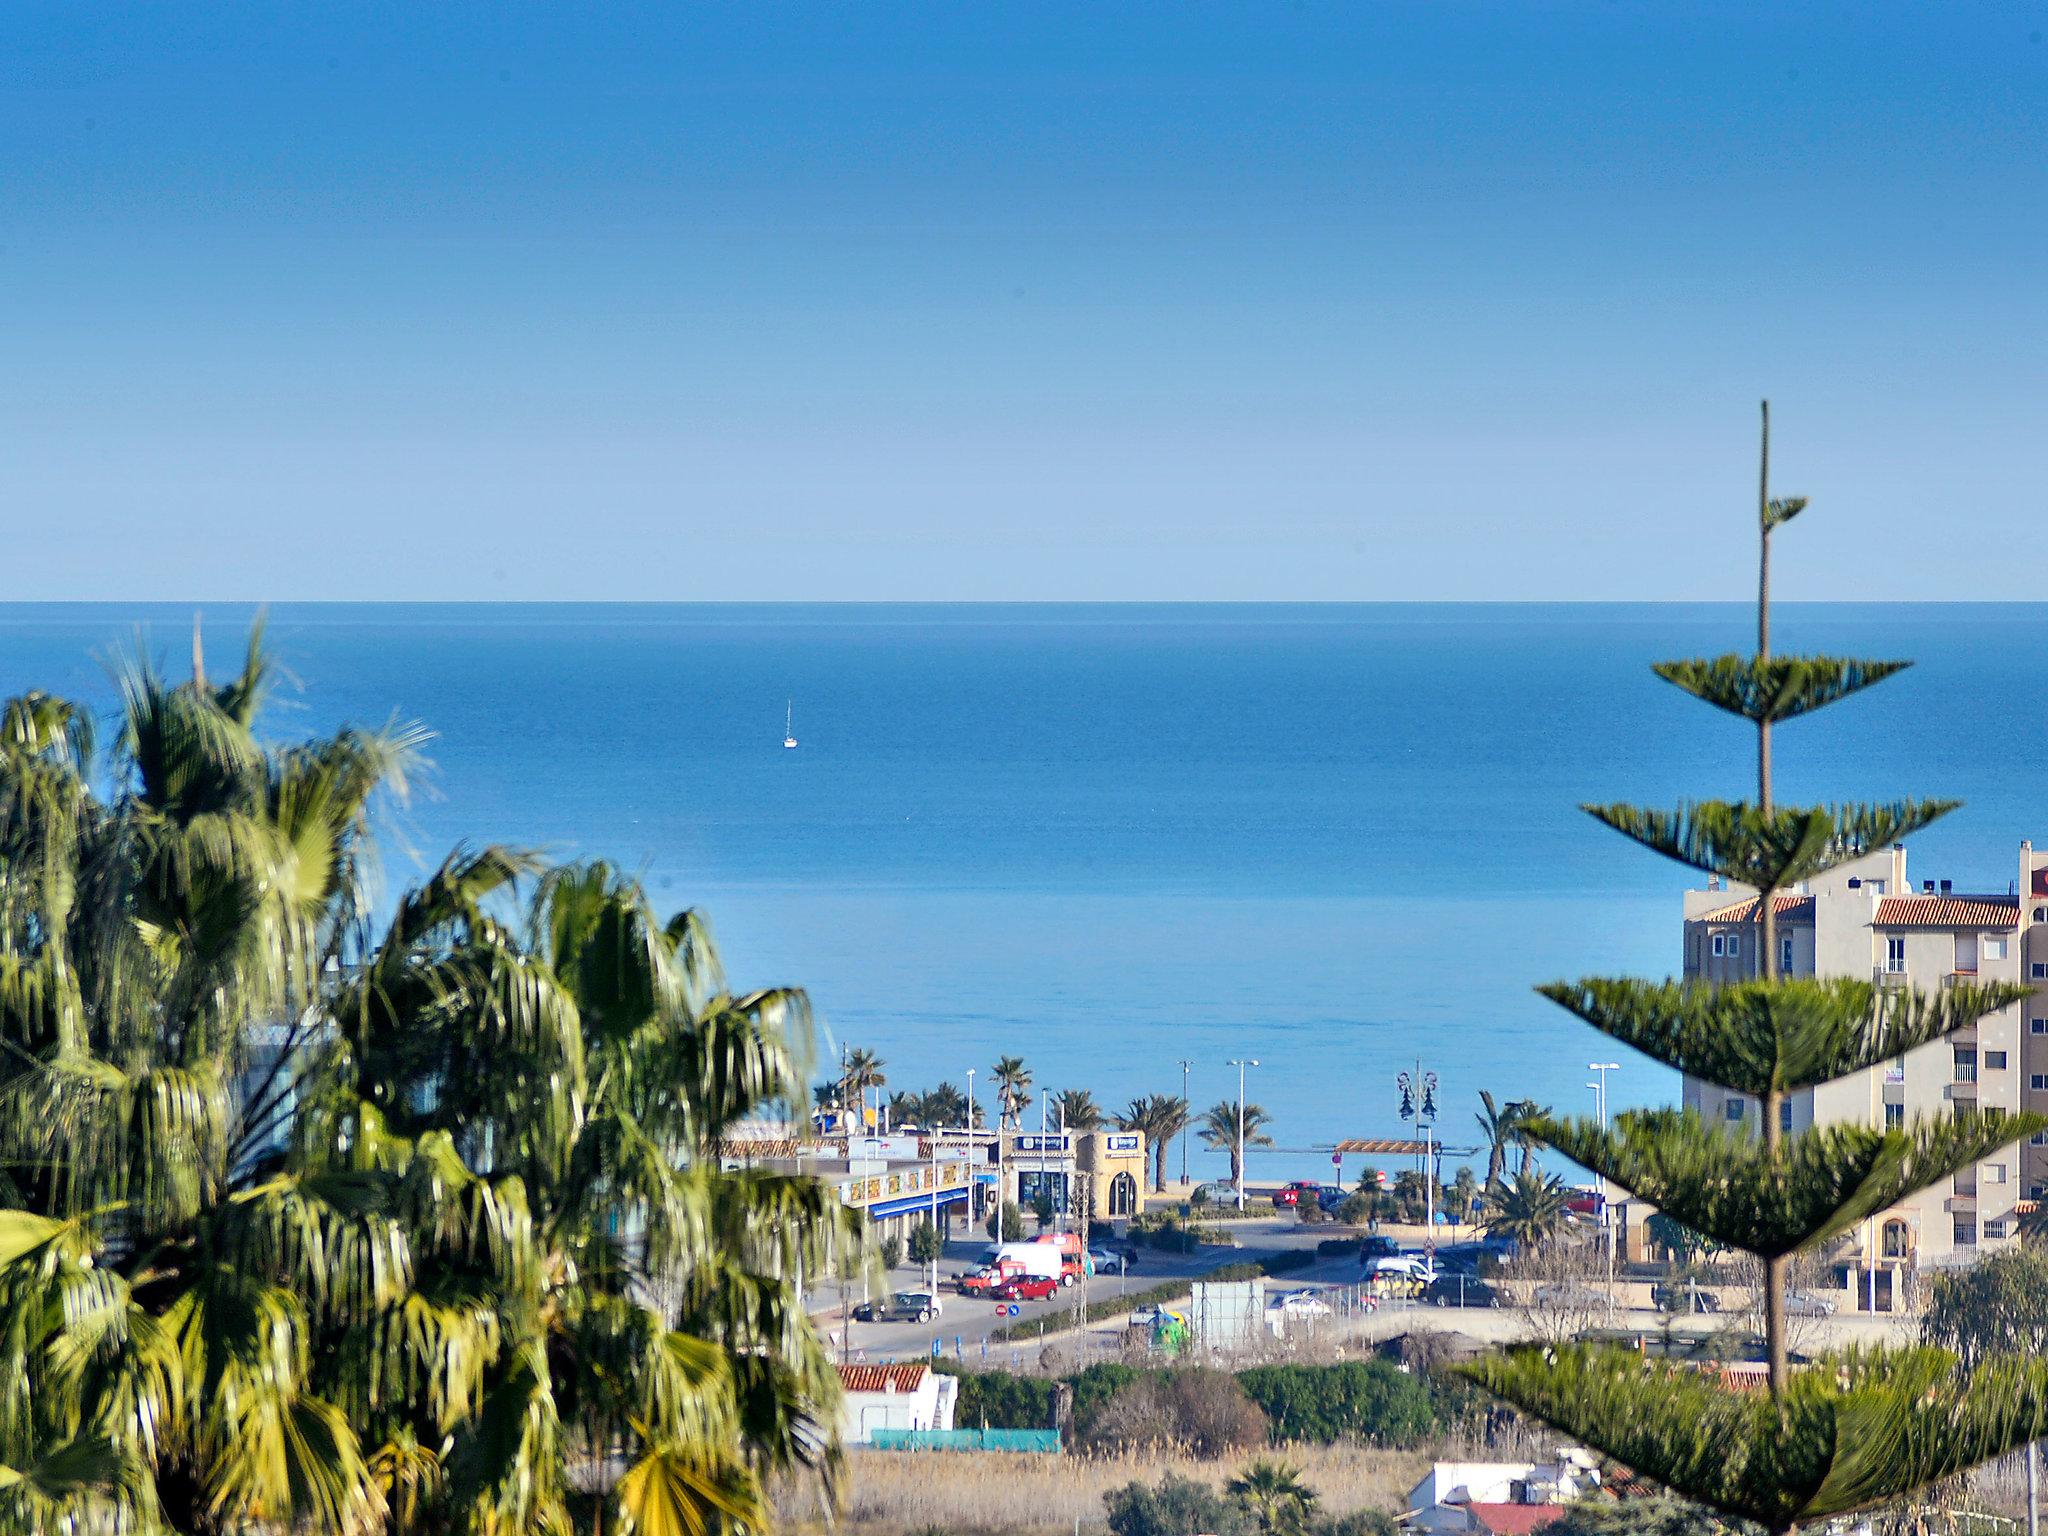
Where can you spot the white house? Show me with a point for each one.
(893, 1397)
(1499, 1498)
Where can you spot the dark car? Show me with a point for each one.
(1671, 1297)
(903, 1307)
(1329, 1197)
(1460, 1291)
(1378, 1246)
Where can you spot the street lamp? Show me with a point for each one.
(1599, 1087)
(1241, 1158)
(973, 1179)
(1185, 1064)
(1418, 1104)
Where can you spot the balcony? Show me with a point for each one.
(1961, 1204)
(1962, 1091)
(1885, 976)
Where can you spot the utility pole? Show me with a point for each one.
(1241, 1158)
(1184, 1107)
(1599, 1087)
(2033, 1488)
(972, 1161)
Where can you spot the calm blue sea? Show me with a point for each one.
(1337, 839)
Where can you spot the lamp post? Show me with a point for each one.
(1418, 1105)
(971, 1159)
(1600, 1069)
(1185, 1064)
(1241, 1064)
(935, 1218)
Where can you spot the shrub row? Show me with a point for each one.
(1355, 1400)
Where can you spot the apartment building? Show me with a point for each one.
(1866, 919)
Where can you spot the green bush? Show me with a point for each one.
(1360, 1522)
(892, 1251)
(1013, 1224)
(925, 1243)
(1358, 1399)
(1000, 1400)
(1176, 1507)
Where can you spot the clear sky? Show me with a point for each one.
(1009, 300)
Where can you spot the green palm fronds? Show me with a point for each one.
(1741, 843)
(1775, 687)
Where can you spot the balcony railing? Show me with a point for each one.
(1885, 976)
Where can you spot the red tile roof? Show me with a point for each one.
(882, 1378)
(1514, 1519)
(1948, 912)
(1745, 911)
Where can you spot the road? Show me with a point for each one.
(964, 1325)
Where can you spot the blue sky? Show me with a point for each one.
(966, 300)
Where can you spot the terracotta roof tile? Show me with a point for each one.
(1948, 912)
(1514, 1519)
(1745, 911)
(882, 1378)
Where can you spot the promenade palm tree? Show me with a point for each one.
(1077, 1109)
(1528, 1211)
(945, 1106)
(859, 1074)
(1273, 1494)
(1219, 1127)
(1160, 1117)
(1501, 1125)
(1013, 1090)
(1860, 1428)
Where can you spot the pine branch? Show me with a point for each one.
(1856, 1430)
(1726, 1185)
(1776, 687)
(1738, 841)
(1778, 1036)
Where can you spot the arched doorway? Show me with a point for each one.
(1123, 1195)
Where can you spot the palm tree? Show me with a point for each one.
(1527, 1114)
(1013, 1090)
(305, 1224)
(1501, 1125)
(1161, 1117)
(1077, 1109)
(1273, 1494)
(861, 1071)
(1218, 1128)
(906, 1108)
(1528, 1211)
(945, 1106)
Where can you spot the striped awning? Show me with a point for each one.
(1387, 1147)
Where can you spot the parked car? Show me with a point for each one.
(1377, 1246)
(1404, 1266)
(903, 1307)
(1569, 1295)
(1329, 1196)
(1111, 1261)
(1216, 1192)
(1300, 1306)
(1291, 1195)
(1806, 1304)
(1025, 1288)
(1143, 1317)
(1459, 1290)
(1674, 1296)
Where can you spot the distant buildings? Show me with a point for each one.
(898, 1179)
(1866, 920)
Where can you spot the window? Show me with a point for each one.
(1895, 955)
(1994, 1173)
(1720, 944)
(1994, 1230)
(2038, 1082)
(1991, 947)
(2039, 1139)
(1735, 947)
(1732, 1109)
(1897, 1241)
(2041, 914)
(1785, 1114)
(1895, 1117)
(2034, 1191)
(2037, 1026)
(1994, 1061)
(2038, 971)
(1785, 953)
(1966, 1231)
(1966, 1064)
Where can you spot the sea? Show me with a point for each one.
(1129, 843)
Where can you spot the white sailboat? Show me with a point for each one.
(789, 724)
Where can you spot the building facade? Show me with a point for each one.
(1866, 919)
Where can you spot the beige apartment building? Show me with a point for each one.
(1866, 919)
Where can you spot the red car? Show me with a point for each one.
(1025, 1288)
(1292, 1194)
